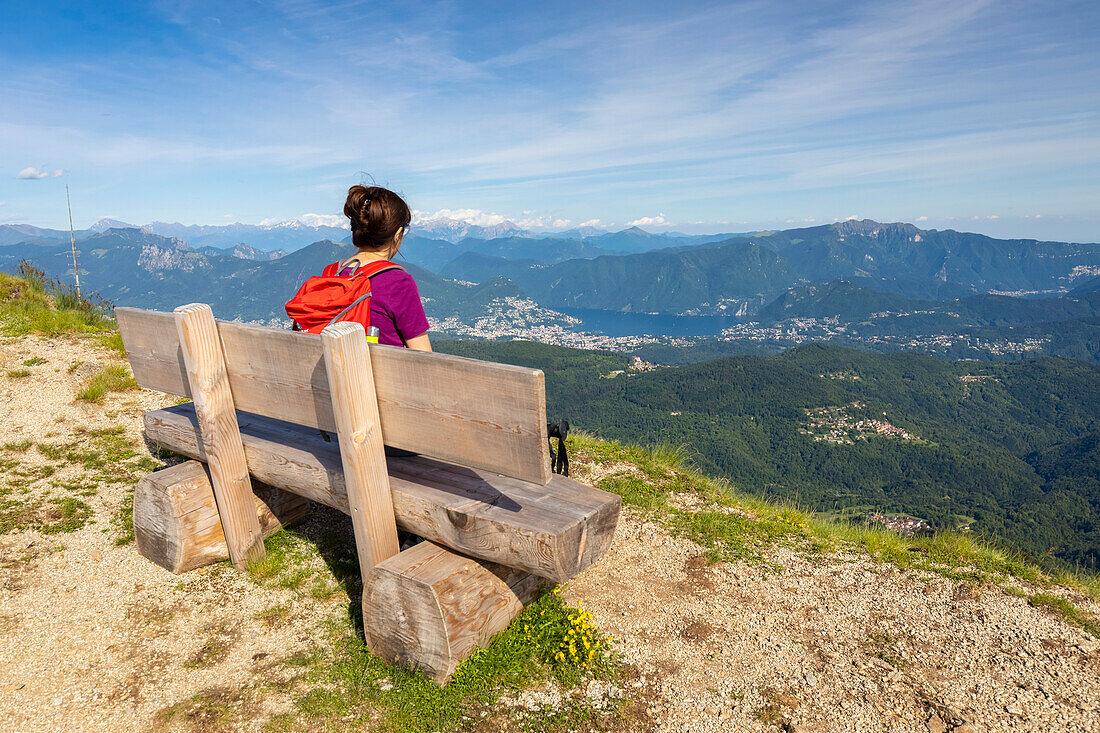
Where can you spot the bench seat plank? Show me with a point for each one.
(553, 531)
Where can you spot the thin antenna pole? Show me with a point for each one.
(72, 240)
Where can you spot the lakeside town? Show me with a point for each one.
(514, 318)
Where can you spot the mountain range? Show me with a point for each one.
(134, 267)
(872, 285)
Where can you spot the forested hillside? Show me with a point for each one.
(1007, 449)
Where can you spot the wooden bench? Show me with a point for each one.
(298, 416)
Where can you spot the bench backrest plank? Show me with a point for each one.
(481, 414)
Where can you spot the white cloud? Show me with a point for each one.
(592, 223)
(922, 218)
(474, 217)
(31, 173)
(650, 221)
(544, 222)
(323, 220)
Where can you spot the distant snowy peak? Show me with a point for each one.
(454, 226)
(308, 221)
(108, 223)
(287, 234)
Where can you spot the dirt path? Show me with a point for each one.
(93, 637)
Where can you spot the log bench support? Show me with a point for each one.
(201, 348)
(499, 525)
(430, 608)
(176, 521)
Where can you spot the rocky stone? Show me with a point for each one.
(936, 725)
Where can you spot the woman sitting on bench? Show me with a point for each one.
(367, 287)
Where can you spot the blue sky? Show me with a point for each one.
(974, 115)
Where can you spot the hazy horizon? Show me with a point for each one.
(995, 228)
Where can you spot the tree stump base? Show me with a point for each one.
(431, 608)
(176, 523)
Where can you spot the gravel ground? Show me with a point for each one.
(93, 637)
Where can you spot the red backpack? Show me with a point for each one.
(329, 297)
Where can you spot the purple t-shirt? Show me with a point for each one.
(395, 307)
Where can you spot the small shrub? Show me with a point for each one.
(19, 373)
(34, 361)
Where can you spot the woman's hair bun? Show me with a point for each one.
(376, 215)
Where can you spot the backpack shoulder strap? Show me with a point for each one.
(375, 268)
(330, 270)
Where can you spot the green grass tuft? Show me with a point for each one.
(112, 378)
(1067, 610)
(122, 522)
(34, 361)
(70, 515)
(55, 516)
(549, 642)
(33, 304)
(18, 373)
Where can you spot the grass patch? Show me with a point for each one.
(34, 361)
(1067, 610)
(122, 521)
(731, 525)
(342, 686)
(68, 515)
(74, 366)
(113, 341)
(206, 711)
(19, 373)
(18, 447)
(111, 378)
(53, 516)
(549, 643)
(216, 649)
(274, 616)
(32, 303)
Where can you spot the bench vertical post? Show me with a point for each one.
(206, 372)
(355, 407)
